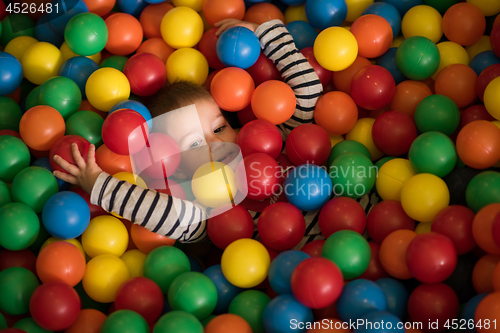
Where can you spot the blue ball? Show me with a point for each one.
(388, 61)
(323, 14)
(79, 69)
(283, 314)
(397, 296)
(470, 308)
(387, 11)
(308, 187)
(44, 162)
(11, 73)
(380, 322)
(66, 215)
(360, 297)
(137, 107)
(238, 47)
(132, 7)
(483, 60)
(63, 11)
(225, 290)
(403, 5)
(303, 34)
(45, 33)
(281, 270)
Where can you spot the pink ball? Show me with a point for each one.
(308, 143)
(146, 73)
(341, 213)
(160, 158)
(125, 132)
(260, 136)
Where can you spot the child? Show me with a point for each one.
(174, 217)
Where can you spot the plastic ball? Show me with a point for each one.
(308, 143)
(455, 222)
(68, 54)
(386, 217)
(112, 163)
(483, 60)
(342, 79)
(106, 87)
(16, 288)
(437, 113)
(325, 14)
(336, 113)
(12, 73)
(62, 147)
(146, 74)
(263, 12)
(408, 95)
(325, 76)
(34, 186)
(482, 228)
(156, 46)
(259, 176)
(238, 47)
(478, 144)
(457, 82)
(61, 93)
(483, 190)
(125, 132)
(86, 124)
(483, 272)
(86, 34)
(221, 229)
(232, 89)
(393, 133)
(373, 34)
(282, 268)
(45, 33)
(187, 64)
(105, 235)
(61, 262)
(273, 101)
(393, 253)
(10, 114)
(434, 153)
(134, 259)
(41, 61)
(116, 62)
(450, 53)
(58, 19)
(225, 290)
(295, 13)
(159, 159)
(317, 182)
(303, 34)
(181, 27)
(359, 298)
(250, 305)
(88, 320)
(490, 96)
(14, 157)
(373, 87)
(388, 61)
(212, 184)
(341, 213)
(464, 23)
(335, 48)
(217, 10)
(263, 70)
(260, 136)
(283, 310)
(418, 58)
(141, 295)
(19, 45)
(391, 178)
(208, 46)
(227, 323)
(78, 69)
(122, 320)
(352, 174)
(124, 34)
(19, 227)
(487, 310)
(422, 21)
(388, 12)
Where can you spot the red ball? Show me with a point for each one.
(55, 306)
(10, 132)
(495, 229)
(141, 295)
(281, 226)
(495, 39)
(125, 132)
(95, 210)
(431, 257)
(263, 70)
(325, 76)
(207, 46)
(455, 222)
(62, 147)
(308, 143)
(223, 230)
(434, 302)
(260, 136)
(373, 87)
(486, 76)
(259, 176)
(246, 115)
(314, 248)
(24, 258)
(393, 133)
(210, 78)
(146, 74)
(232, 89)
(341, 213)
(317, 282)
(375, 270)
(160, 158)
(386, 217)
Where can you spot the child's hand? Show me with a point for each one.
(229, 23)
(83, 173)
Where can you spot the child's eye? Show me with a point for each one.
(195, 145)
(218, 130)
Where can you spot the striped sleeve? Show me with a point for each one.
(278, 45)
(160, 213)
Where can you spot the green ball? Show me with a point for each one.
(205, 321)
(433, 152)
(482, 190)
(437, 113)
(117, 62)
(19, 226)
(178, 321)
(349, 251)
(347, 146)
(418, 58)
(440, 5)
(124, 321)
(86, 124)
(353, 175)
(86, 34)
(34, 186)
(3, 322)
(10, 114)
(194, 293)
(17, 284)
(16, 25)
(62, 94)
(250, 306)
(5, 195)
(164, 264)
(32, 98)
(30, 326)
(14, 157)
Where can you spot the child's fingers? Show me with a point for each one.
(78, 156)
(72, 169)
(223, 28)
(91, 155)
(66, 177)
(221, 22)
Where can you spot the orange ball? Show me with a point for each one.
(158, 47)
(88, 321)
(151, 17)
(373, 34)
(496, 277)
(273, 101)
(217, 10)
(482, 226)
(228, 323)
(111, 162)
(263, 12)
(478, 144)
(408, 95)
(100, 7)
(61, 262)
(146, 241)
(336, 113)
(342, 79)
(464, 24)
(232, 89)
(124, 34)
(488, 311)
(458, 82)
(393, 253)
(41, 126)
(482, 274)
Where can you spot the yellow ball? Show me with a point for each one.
(451, 53)
(73, 241)
(397, 41)
(210, 187)
(295, 13)
(488, 7)
(362, 133)
(355, 8)
(334, 139)
(483, 44)
(392, 176)
(103, 276)
(422, 21)
(423, 228)
(105, 235)
(496, 123)
(19, 45)
(245, 263)
(68, 54)
(107, 87)
(196, 5)
(181, 27)
(134, 259)
(423, 196)
(40, 62)
(187, 65)
(335, 48)
(492, 98)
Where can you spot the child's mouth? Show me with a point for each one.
(223, 158)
